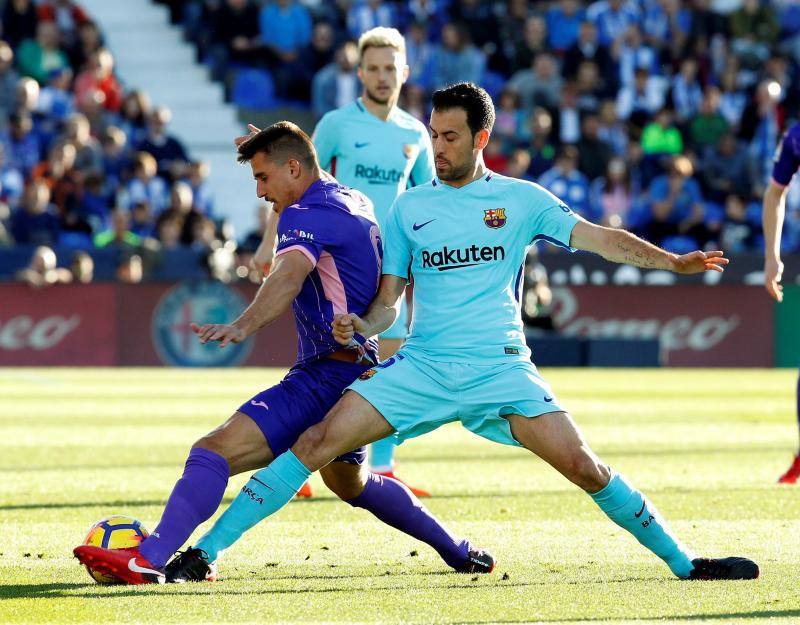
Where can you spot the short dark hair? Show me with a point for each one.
(282, 140)
(470, 97)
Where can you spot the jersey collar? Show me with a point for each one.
(365, 110)
(441, 185)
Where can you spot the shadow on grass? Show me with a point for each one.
(326, 498)
(232, 586)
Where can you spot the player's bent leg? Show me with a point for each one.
(240, 441)
(271, 488)
(392, 502)
(237, 445)
(353, 422)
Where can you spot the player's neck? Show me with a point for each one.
(381, 111)
(304, 183)
(478, 171)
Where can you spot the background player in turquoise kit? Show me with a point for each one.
(375, 147)
(463, 237)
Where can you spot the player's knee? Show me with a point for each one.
(309, 446)
(222, 446)
(212, 442)
(346, 482)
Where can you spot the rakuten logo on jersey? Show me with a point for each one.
(378, 175)
(458, 258)
(23, 332)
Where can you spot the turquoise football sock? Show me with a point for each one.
(381, 455)
(264, 494)
(629, 509)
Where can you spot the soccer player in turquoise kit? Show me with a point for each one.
(463, 237)
(375, 147)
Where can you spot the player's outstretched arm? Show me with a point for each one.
(273, 298)
(620, 246)
(772, 220)
(379, 316)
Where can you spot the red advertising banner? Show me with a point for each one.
(723, 326)
(148, 324)
(59, 325)
(132, 325)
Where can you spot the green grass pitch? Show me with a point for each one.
(706, 446)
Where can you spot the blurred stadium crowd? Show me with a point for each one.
(661, 116)
(85, 164)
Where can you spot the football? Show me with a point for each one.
(115, 532)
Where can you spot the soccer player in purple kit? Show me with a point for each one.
(787, 162)
(328, 262)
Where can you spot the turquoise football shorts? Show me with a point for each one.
(399, 329)
(416, 395)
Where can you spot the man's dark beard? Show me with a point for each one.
(457, 173)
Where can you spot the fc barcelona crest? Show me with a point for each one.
(494, 217)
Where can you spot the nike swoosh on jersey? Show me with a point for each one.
(139, 569)
(418, 226)
(362, 145)
(548, 399)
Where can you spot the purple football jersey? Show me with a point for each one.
(787, 156)
(334, 226)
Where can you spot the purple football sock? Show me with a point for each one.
(193, 500)
(395, 505)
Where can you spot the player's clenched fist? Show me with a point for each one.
(344, 326)
(222, 332)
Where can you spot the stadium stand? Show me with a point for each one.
(660, 116)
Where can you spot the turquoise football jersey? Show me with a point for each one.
(465, 248)
(379, 158)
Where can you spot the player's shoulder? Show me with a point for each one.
(421, 192)
(410, 201)
(407, 120)
(528, 192)
(336, 116)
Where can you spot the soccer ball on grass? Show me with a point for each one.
(115, 532)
